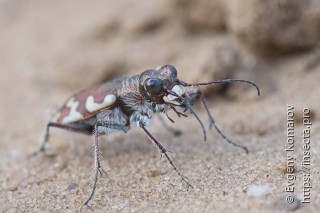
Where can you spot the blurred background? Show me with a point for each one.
(51, 49)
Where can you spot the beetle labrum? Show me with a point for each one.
(123, 103)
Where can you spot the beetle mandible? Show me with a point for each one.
(127, 102)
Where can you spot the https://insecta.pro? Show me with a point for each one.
(124, 103)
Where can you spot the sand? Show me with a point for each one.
(41, 65)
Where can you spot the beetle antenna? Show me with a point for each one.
(218, 82)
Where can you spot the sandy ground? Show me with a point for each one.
(41, 65)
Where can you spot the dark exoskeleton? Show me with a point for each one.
(121, 104)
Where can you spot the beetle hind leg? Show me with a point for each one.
(45, 138)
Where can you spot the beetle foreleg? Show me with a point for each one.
(164, 152)
(213, 123)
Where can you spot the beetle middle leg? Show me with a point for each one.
(101, 127)
(97, 164)
(164, 152)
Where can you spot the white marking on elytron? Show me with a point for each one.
(74, 115)
(91, 106)
(179, 90)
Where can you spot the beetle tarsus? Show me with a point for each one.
(183, 178)
(86, 203)
(186, 182)
(101, 172)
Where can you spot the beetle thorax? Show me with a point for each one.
(140, 109)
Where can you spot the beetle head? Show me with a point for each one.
(161, 85)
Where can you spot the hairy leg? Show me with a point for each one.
(97, 154)
(97, 165)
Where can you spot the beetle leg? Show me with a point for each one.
(45, 138)
(164, 152)
(96, 152)
(213, 123)
(97, 165)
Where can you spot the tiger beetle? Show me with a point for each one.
(121, 104)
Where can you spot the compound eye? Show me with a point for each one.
(153, 86)
(172, 70)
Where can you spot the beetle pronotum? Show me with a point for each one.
(123, 103)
